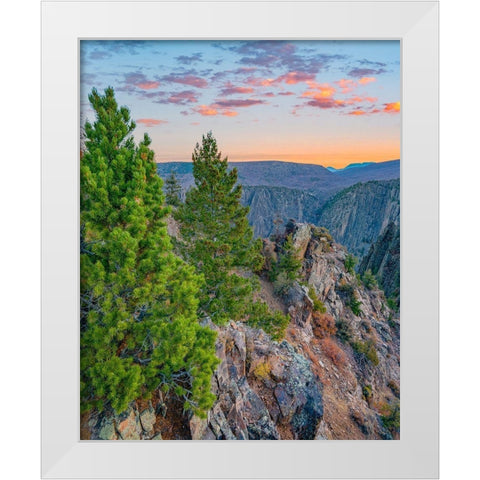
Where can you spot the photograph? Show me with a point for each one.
(239, 239)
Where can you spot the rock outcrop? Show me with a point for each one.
(336, 375)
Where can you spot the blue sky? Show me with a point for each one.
(325, 102)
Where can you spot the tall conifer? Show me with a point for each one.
(139, 328)
(217, 237)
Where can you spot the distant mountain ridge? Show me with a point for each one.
(351, 165)
(277, 190)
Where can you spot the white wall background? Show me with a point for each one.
(20, 234)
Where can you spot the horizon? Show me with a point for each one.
(328, 103)
(286, 161)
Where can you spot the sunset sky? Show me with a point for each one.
(326, 102)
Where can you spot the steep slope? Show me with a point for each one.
(272, 207)
(326, 380)
(357, 215)
(383, 259)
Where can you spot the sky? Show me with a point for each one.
(330, 103)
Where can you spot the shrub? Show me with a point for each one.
(318, 305)
(323, 325)
(351, 298)
(391, 418)
(273, 323)
(331, 349)
(369, 280)
(350, 262)
(367, 350)
(354, 305)
(367, 392)
(393, 386)
(344, 331)
(262, 371)
(282, 284)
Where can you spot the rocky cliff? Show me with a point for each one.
(271, 207)
(357, 215)
(383, 260)
(335, 375)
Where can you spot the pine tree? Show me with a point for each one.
(173, 190)
(289, 263)
(218, 239)
(139, 325)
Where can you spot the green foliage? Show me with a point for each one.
(139, 328)
(344, 331)
(218, 240)
(351, 298)
(367, 350)
(354, 305)
(318, 305)
(350, 262)
(173, 190)
(369, 280)
(273, 323)
(367, 392)
(281, 284)
(391, 419)
(288, 262)
(393, 304)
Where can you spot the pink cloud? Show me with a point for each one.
(286, 93)
(148, 85)
(325, 102)
(231, 90)
(186, 96)
(191, 80)
(237, 103)
(260, 82)
(292, 78)
(346, 85)
(365, 80)
(206, 110)
(150, 122)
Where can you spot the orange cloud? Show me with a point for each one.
(358, 99)
(292, 78)
(148, 85)
(357, 112)
(319, 90)
(150, 122)
(365, 80)
(346, 85)
(229, 113)
(261, 82)
(393, 107)
(205, 110)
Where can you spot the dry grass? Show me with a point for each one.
(332, 350)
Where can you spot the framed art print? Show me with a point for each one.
(240, 239)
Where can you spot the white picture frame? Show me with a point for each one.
(415, 24)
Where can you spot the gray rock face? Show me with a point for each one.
(357, 215)
(262, 387)
(383, 259)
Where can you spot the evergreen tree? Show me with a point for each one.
(139, 326)
(218, 239)
(173, 190)
(289, 264)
